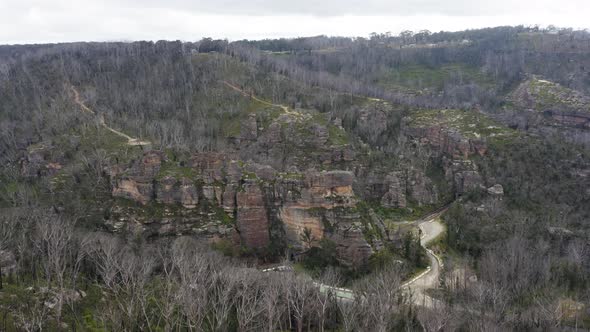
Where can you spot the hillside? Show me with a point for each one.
(329, 153)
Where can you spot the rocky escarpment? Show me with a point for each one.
(562, 103)
(287, 178)
(445, 140)
(548, 108)
(456, 138)
(399, 188)
(249, 199)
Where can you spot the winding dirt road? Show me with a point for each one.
(431, 228)
(130, 140)
(428, 279)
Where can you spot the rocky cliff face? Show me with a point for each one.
(463, 174)
(395, 197)
(548, 108)
(252, 220)
(447, 141)
(264, 189)
(251, 194)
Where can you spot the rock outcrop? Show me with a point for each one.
(252, 219)
(316, 193)
(463, 174)
(395, 197)
(496, 190)
(421, 189)
(548, 108)
(251, 194)
(447, 141)
(170, 190)
(137, 182)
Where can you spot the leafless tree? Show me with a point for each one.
(381, 299)
(53, 242)
(274, 301)
(349, 314)
(167, 290)
(249, 302)
(222, 289)
(32, 316)
(326, 298)
(300, 295)
(193, 274)
(436, 318)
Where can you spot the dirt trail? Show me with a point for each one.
(130, 140)
(265, 102)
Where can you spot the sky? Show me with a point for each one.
(48, 21)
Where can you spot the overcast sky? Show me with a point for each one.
(39, 21)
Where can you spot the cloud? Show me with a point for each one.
(30, 21)
(363, 7)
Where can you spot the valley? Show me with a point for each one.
(424, 182)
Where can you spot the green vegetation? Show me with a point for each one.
(547, 95)
(173, 169)
(337, 136)
(469, 123)
(410, 213)
(422, 78)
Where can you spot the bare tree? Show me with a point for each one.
(436, 318)
(222, 298)
(349, 314)
(274, 302)
(167, 290)
(381, 299)
(300, 296)
(326, 297)
(53, 243)
(249, 302)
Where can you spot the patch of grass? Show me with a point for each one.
(553, 96)
(469, 123)
(226, 247)
(99, 138)
(173, 169)
(337, 136)
(421, 78)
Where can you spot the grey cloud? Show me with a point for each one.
(354, 7)
(27, 21)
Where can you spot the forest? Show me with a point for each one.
(426, 181)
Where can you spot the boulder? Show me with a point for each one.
(496, 190)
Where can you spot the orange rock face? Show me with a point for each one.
(326, 190)
(252, 216)
(253, 194)
(296, 220)
(138, 191)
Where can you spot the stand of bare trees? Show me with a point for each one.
(71, 278)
